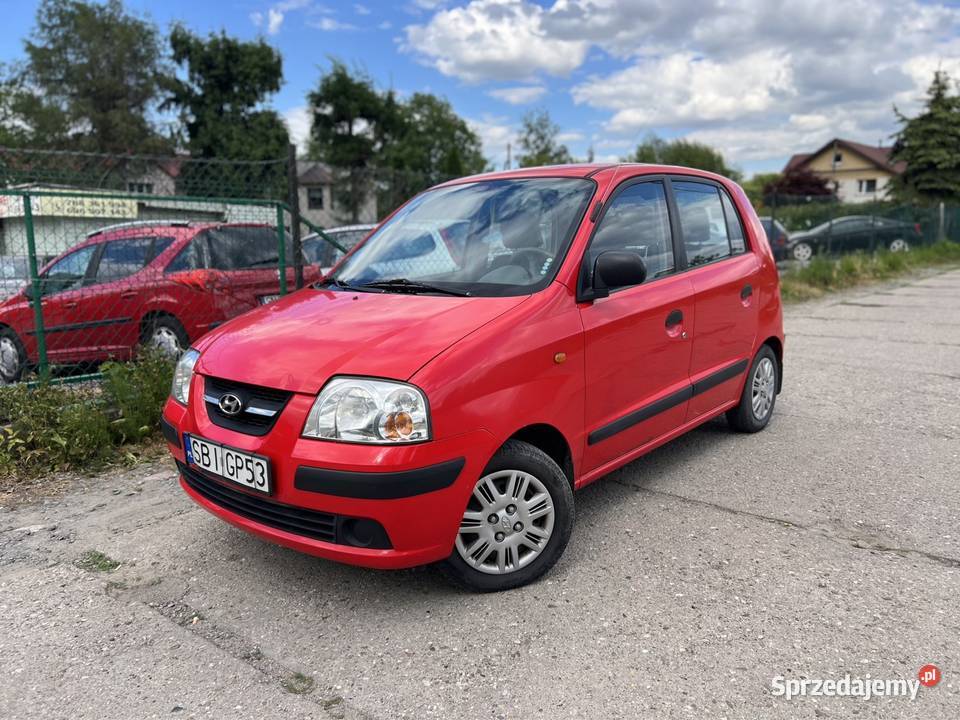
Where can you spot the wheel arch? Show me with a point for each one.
(776, 345)
(550, 440)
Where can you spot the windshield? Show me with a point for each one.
(491, 238)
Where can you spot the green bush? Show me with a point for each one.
(46, 427)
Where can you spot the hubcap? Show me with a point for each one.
(9, 359)
(166, 339)
(507, 523)
(802, 252)
(764, 388)
(899, 245)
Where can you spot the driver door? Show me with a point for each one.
(62, 287)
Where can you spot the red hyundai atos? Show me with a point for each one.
(498, 342)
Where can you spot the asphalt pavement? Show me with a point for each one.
(827, 545)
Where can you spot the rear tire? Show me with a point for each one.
(165, 333)
(13, 357)
(532, 501)
(802, 252)
(759, 394)
(899, 245)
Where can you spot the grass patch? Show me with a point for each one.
(825, 274)
(49, 428)
(96, 561)
(297, 683)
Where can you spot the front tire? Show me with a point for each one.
(13, 358)
(516, 524)
(759, 394)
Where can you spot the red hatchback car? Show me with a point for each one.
(160, 283)
(498, 342)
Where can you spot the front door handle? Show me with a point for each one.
(674, 318)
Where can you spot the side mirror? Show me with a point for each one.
(615, 269)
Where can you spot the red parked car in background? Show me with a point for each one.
(498, 342)
(163, 283)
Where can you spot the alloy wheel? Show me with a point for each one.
(899, 245)
(764, 388)
(507, 524)
(802, 252)
(165, 338)
(9, 360)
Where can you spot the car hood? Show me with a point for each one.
(300, 341)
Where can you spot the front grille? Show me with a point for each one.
(299, 521)
(261, 406)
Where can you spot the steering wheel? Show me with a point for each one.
(532, 260)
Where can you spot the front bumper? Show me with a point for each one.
(417, 492)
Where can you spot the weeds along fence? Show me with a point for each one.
(100, 255)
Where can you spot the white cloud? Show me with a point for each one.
(760, 79)
(569, 137)
(684, 89)
(495, 133)
(519, 95)
(256, 18)
(297, 120)
(329, 24)
(385, 25)
(274, 21)
(493, 39)
(361, 9)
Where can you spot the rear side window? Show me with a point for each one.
(704, 224)
(637, 220)
(189, 258)
(123, 258)
(237, 248)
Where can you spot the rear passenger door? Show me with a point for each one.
(723, 272)
(636, 340)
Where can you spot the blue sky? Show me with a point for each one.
(756, 79)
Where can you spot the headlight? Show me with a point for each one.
(355, 409)
(182, 376)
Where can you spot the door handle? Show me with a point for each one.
(70, 305)
(674, 318)
(746, 292)
(128, 294)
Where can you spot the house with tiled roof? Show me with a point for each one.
(856, 172)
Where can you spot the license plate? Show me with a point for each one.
(267, 299)
(251, 471)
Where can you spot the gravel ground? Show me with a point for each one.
(826, 545)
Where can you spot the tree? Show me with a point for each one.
(373, 140)
(90, 79)
(930, 146)
(687, 153)
(796, 186)
(220, 102)
(538, 140)
(755, 187)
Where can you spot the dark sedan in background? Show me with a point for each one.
(854, 232)
(777, 236)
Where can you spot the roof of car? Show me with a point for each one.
(581, 170)
(138, 226)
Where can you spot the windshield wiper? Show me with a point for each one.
(337, 282)
(412, 286)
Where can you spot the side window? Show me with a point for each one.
(189, 258)
(123, 258)
(238, 248)
(637, 220)
(703, 222)
(738, 243)
(68, 272)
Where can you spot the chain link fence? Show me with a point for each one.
(102, 255)
(800, 227)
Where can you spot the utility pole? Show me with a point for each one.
(509, 165)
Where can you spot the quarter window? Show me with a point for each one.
(637, 220)
(705, 234)
(734, 227)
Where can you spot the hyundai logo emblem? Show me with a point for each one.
(230, 404)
